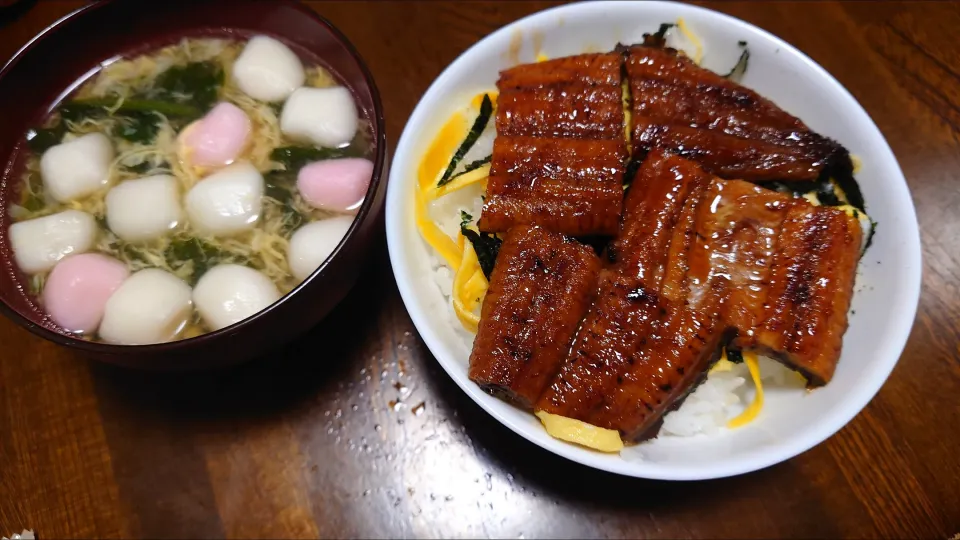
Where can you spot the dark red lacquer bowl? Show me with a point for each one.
(35, 78)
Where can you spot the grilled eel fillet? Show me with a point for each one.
(790, 268)
(554, 99)
(582, 68)
(730, 130)
(558, 159)
(568, 110)
(541, 286)
(809, 293)
(701, 260)
(567, 185)
(641, 346)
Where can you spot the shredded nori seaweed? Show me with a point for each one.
(658, 38)
(486, 245)
(480, 124)
(472, 166)
(78, 109)
(293, 158)
(143, 167)
(280, 186)
(735, 356)
(849, 186)
(823, 189)
(202, 254)
(870, 235)
(740, 68)
(138, 127)
(182, 94)
(197, 83)
(41, 139)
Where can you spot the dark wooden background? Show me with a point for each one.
(311, 440)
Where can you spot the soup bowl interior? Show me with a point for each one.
(71, 50)
(887, 289)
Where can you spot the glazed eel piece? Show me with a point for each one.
(569, 110)
(700, 262)
(791, 268)
(558, 159)
(542, 285)
(643, 344)
(571, 186)
(574, 97)
(730, 130)
(587, 68)
(745, 231)
(809, 293)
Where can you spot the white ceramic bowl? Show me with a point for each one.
(888, 286)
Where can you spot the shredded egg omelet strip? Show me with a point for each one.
(432, 166)
(582, 433)
(469, 283)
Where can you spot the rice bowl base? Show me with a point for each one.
(884, 305)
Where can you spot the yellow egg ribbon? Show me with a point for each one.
(469, 283)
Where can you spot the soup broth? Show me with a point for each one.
(144, 106)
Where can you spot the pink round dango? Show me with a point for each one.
(77, 289)
(338, 185)
(218, 138)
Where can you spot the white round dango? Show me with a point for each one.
(268, 70)
(338, 185)
(75, 293)
(144, 208)
(76, 168)
(226, 202)
(39, 243)
(229, 293)
(217, 139)
(311, 244)
(151, 306)
(323, 116)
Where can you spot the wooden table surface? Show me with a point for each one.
(310, 441)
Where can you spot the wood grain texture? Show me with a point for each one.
(319, 438)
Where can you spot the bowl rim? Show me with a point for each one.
(365, 212)
(841, 414)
